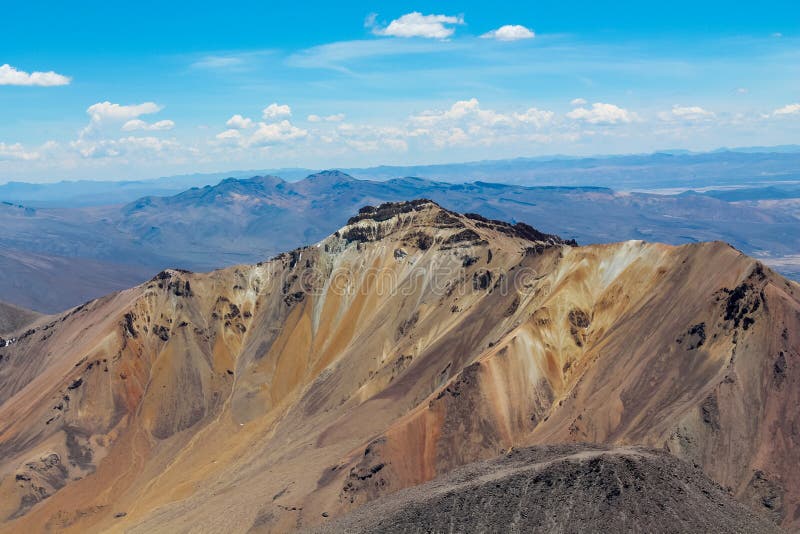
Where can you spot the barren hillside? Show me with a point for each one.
(413, 341)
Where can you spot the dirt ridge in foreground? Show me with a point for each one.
(561, 488)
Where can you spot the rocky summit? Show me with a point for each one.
(413, 342)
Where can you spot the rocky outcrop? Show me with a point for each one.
(576, 488)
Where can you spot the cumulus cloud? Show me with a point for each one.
(106, 110)
(238, 122)
(229, 135)
(686, 113)
(138, 124)
(460, 110)
(103, 114)
(265, 134)
(470, 111)
(467, 123)
(578, 102)
(368, 138)
(416, 24)
(457, 111)
(125, 146)
(509, 32)
(602, 113)
(94, 141)
(16, 151)
(789, 109)
(275, 133)
(537, 117)
(11, 76)
(338, 117)
(276, 111)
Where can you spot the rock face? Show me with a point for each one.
(413, 341)
(566, 488)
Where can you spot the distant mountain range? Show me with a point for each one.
(54, 258)
(671, 169)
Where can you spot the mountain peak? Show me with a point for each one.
(429, 214)
(388, 210)
(330, 176)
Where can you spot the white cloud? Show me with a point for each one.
(11, 76)
(114, 148)
(106, 110)
(239, 122)
(509, 32)
(265, 135)
(276, 111)
(453, 137)
(16, 152)
(742, 90)
(370, 20)
(418, 25)
(218, 62)
(470, 111)
(457, 111)
(578, 102)
(228, 135)
(464, 110)
(138, 124)
(537, 117)
(338, 117)
(104, 113)
(368, 138)
(602, 113)
(686, 113)
(466, 123)
(274, 133)
(789, 109)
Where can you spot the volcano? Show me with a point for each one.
(412, 342)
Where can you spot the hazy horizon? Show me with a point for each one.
(239, 172)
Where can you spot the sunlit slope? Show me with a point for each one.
(412, 341)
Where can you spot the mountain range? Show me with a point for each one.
(412, 341)
(55, 258)
(667, 169)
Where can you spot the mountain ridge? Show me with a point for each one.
(574, 488)
(390, 353)
(245, 221)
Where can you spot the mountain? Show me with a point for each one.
(86, 193)
(13, 318)
(567, 488)
(246, 220)
(412, 341)
(667, 169)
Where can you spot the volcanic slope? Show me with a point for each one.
(565, 488)
(413, 341)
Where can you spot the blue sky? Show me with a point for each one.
(106, 90)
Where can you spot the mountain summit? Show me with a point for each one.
(411, 342)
